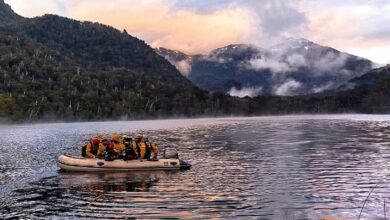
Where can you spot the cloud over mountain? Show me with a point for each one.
(246, 91)
(291, 67)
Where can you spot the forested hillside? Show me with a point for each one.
(99, 46)
(54, 68)
(39, 83)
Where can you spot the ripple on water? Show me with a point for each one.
(267, 168)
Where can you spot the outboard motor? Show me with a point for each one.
(170, 153)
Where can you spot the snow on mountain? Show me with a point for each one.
(292, 67)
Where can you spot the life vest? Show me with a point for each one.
(148, 150)
(94, 150)
(110, 146)
(110, 154)
(129, 151)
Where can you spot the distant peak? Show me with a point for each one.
(235, 48)
(298, 40)
(173, 54)
(293, 43)
(166, 50)
(237, 52)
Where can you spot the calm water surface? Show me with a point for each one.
(298, 167)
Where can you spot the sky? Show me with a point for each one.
(359, 27)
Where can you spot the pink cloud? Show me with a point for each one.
(155, 22)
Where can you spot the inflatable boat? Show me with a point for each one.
(81, 164)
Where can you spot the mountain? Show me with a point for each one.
(98, 45)
(7, 16)
(367, 80)
(377, 83)
(293, 67)
(369, 93)
(55, 68)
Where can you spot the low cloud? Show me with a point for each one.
(275, 66)
(296, 60)
(184, 66)
(213, 58)
(278, 64)
(323, 87)
(289, 88)
(331, 62)
(245, 91)
(285, 59)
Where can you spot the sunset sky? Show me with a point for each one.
(360, 27)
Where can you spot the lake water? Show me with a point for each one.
(293, 167)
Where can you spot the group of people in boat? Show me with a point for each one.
(121, 147)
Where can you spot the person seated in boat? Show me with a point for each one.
(94, 149)
(114, 148)
(144, 148)
(153, 147)
(128, 153)
(118, 146)
(110, 154)
(102, 148)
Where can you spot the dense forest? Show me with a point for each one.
(41, 83)
(59, 69)
(54, 68)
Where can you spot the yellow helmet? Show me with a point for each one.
(138, 136)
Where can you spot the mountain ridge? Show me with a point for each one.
(368, 79)
(290, 68)
(7, 15)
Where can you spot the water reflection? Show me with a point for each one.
(110, 182)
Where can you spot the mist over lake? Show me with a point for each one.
(290, 167)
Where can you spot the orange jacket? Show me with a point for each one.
(118, 147)
(90, 149)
